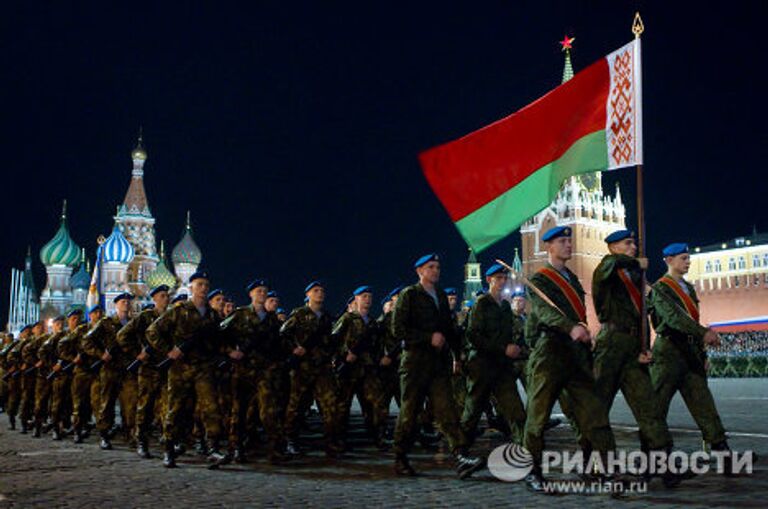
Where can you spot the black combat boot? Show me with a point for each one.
(179, 449)
(238, 455)
(11, 422)
(78, 436)
(169, 459)
(37, 432)
(143, 449)
(24, 426)
(380, 440)
(467, 465)
(56, 434)
(104, 443)
(535, 481)
(727, 460)
(403, 466)
(216, 457)
(291, 449)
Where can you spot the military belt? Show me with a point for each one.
(614, 327)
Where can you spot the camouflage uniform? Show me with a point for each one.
(85, 385)
(32, 397)
(425, 371)
(12, 364)
(257, 376)
(59, 385)
(492, 326)
(192, 375)
(560, 365)
(678, 360)
(114, 384)
(312, 373)
(390, 380)
(360, 378)
(618, 346)
(150, 381)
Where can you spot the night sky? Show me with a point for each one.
(291, 130)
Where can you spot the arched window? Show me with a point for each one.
(742, 263)
(731, 263)
(755, 261)
(718, 267)
(708, 266)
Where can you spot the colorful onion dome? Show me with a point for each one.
(186, 251)
(61, 249)
(81, 280)
(117, 248)
(161, 275)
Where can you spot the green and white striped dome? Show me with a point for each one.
(61, 249)
(161, 275)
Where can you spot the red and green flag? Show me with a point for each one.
(492, 180)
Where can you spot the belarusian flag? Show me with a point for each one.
(493, 180)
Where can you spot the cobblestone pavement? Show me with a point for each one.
(42, 473)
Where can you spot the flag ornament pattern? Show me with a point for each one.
(494, 179)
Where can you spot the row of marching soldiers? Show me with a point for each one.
(218, 375)
(195, 369)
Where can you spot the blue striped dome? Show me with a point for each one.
(116, 248)
(61, 249)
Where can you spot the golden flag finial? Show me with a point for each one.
(637, 26)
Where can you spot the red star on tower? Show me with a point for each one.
(567, 42)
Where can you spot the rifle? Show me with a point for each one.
(342, 366)
(9, 374)
(294, 361)
(134, 366)
(96, 366)
(185, 347)
(29, 371)
(64, 369)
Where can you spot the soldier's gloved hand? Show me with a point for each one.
(580, 333)
(643, 263)
(78, 360)
(56, 367)
(142, 355)
(106, 357)
(711, 338)
(299, 351)
(512, 351)
(438, 340)
(39, 364)
(351, 357)
(175, 353)
(645, 357)
(236, 355)
(385, 361)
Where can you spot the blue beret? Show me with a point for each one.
(362, 289)
(28, 326)
(469, 304)
(150, 305)
(619, 235)
(557, 231)
(675, 249)
(272, 294)
(312, 285)
(280, 311)
(74, 312)
(494, 269)
(214, 293)
(432, 257)
(255, 284)
(200, 274)
(59, 318)
(450, 291)
(158, 289)
(124, 295)
(350, 300)
(479, 292)
(94, 308)
(306, 299)
(179, 298)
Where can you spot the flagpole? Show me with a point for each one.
(637, 29)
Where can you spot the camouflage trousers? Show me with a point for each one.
(223, 379)
(110, 383)
(319, 382)
(61, 402)
(14, 396)
(459, 383)
(364, 383)
(191, 382)
(557, 366)
(42, 398)
(390, 384)
(255, 391)
(670, 373)
(492, 377)
(86, 397)
(151, 384)
(28, 383)
(426, 373)
(616, 367)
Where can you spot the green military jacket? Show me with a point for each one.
(69, 346)
(304, 328)
(259, 339)
(613, 303)
(671, 320)
(31, 348)
(416, 317)
(197, 335)
(13, 358)
(103, 337)
(358, 337)
(132, 337)
(388, 343)
(491, 327)
(546, 320)
(48, 352)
